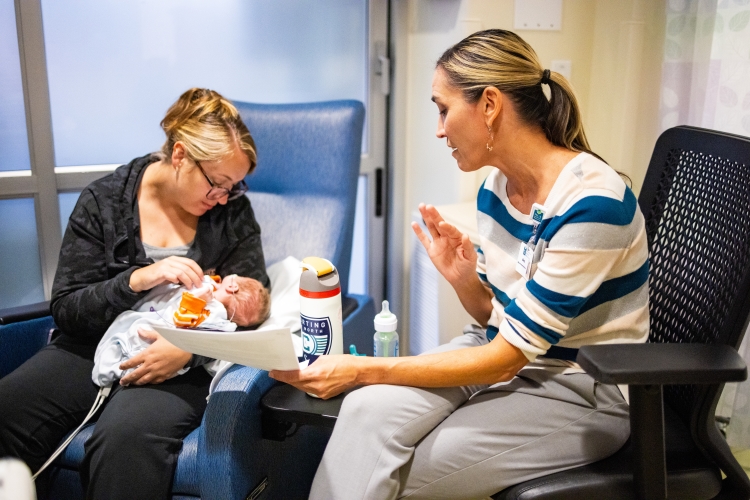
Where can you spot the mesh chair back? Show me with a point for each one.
(696, 201)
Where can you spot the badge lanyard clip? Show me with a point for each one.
(526, 252)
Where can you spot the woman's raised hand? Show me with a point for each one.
(450, 250)
(173, 269)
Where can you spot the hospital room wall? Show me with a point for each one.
(616, 52)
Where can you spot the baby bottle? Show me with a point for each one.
(385, 339)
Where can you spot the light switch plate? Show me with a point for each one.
(538, 15)
(562, 66)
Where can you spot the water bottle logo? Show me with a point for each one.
(316, 337)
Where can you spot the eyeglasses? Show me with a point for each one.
(217, 192)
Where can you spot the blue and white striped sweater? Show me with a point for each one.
(589, 280)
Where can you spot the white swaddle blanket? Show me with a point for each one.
(121, 340)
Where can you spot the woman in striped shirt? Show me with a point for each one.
(562, 264)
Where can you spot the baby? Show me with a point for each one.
(217, 305)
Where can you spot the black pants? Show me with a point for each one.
(133, 450)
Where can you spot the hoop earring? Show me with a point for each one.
(491, 139)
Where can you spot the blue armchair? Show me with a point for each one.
(303, 193)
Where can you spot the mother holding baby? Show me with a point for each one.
(164, 217)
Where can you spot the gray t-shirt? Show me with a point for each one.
(159, 253)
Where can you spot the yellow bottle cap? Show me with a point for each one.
(319, 265)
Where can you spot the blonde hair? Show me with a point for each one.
(208, 125)
(503, 60)
(251, 302)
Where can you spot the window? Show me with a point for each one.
(14, 142)
(107, 101)
(20, 267)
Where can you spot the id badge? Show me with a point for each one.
(523, 263)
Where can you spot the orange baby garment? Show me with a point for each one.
(192, 311)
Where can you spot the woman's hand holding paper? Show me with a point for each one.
(327, 377)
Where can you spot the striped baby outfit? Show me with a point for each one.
(589, 272)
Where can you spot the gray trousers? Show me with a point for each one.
(468, 442)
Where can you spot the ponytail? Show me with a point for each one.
(503, 60)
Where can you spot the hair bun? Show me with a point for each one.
(198, 94)
(209, 127)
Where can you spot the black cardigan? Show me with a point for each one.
(102, 247)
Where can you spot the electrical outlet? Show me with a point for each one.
(562, 66)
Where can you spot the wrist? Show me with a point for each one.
(190, 362)
(372, 371)
(135, 283)
(465, 283)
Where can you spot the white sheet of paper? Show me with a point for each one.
(267, 349)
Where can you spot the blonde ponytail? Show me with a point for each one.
(208, 125)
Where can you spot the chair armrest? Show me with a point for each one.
(21, 340)
(661, 364)
(24, 313)
(232, 455)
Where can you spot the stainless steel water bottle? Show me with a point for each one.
(320, 310)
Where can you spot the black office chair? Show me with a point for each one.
(696, 200)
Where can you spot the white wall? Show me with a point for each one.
(616, 52)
